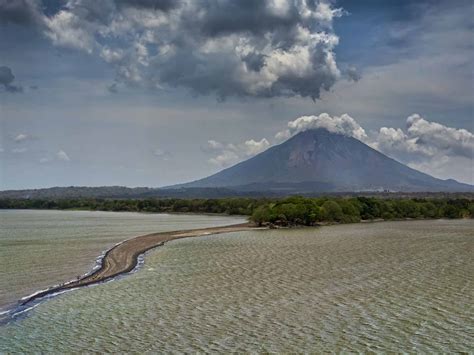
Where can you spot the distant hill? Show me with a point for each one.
(79, 192)
(320, 161)
(122, 192)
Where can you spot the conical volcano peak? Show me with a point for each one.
(317, 160)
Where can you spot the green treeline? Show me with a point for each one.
(311, 211)
(286, 211)
(231, 206)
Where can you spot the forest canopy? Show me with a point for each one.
(289, 211)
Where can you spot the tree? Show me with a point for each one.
(332, 211)
(260, 215)
(429, 210)
(450, 211)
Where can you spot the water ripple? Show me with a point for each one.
(386, 287)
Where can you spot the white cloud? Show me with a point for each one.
(61, 155)
(232, 153)
(112, 56)
(425, 139)
(451, 141)
(343, 124)
(283, 135)
(19, 150)
(214, 144)
(396, 140)
(225, 158)
(21, 137)
(44, 160)
(162, 154)
(264, 48)
(425, 68)
(252, 147)
(69, 30)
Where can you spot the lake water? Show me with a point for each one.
(43, 248)
(392, 286)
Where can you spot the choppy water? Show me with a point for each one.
(394, 286)
(43, 248)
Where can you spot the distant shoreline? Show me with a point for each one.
(139, 212)
(291, 211)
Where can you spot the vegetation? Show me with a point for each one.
(285, 212)
(311, 211)
(231, 206)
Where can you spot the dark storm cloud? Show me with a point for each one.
(7, 78)
(21, 12)
(14, 88)
(254, 61)
(93, 11)
(227, 48)
(35, 12)
(245, 16)
(162, 5)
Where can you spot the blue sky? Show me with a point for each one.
(144, 94)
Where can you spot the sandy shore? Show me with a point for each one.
(124, 257)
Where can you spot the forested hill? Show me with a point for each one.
(78, 192)
(119, 192)
(122, 192)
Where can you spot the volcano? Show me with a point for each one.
(317, 161)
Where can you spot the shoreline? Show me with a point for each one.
(124, 257)
(139, 212)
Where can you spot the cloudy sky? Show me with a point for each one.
(157, 92)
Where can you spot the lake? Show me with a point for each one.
(383, 287)
(43, 248)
